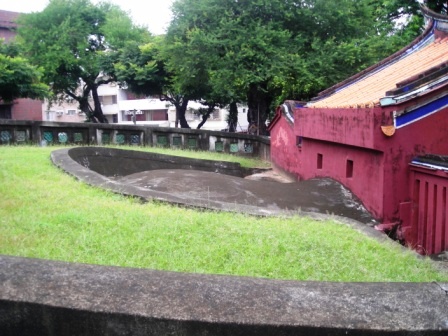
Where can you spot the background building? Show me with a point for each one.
(19, 109)
(120, 106)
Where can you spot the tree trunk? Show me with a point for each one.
(180, 112)
(83, 102)
(258, 101)
(232, 119)
(98, 111)
(84, 106)
(205, 117)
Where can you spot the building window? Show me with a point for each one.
(5, 112)
(71, 112)
(108, 100)
(320, 161)
(349, 169)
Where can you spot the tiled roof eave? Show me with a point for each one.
(420, 91)
(376, 67)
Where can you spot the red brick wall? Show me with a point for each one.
(23, 109)
(27, 109)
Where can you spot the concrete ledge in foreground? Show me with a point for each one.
(39, 297)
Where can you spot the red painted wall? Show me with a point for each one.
(283, 145)
(8, 25)
(346, 139)
(427, 231)
(364, 179)
(353, 138)
(354, 127)
(426, 136)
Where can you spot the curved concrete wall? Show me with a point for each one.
(39, 297)
(114, 162)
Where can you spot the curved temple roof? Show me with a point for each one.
(428, 53)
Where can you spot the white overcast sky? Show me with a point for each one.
(155, 14)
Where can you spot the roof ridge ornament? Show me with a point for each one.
(440, 20)
(429, 13)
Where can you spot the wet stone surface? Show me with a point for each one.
(208, 184)
(318, 195)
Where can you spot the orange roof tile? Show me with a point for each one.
(369, 88)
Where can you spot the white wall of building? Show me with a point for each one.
(66, 112)
(118, 109)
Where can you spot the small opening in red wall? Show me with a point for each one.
(349, 169)
(299, 141)
(320, 161)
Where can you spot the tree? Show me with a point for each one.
(142, 69)
(393, 10)
(261, 50)
(402, 20)
(232, 117)
(18, 78)
(74, 42)
(206, 39)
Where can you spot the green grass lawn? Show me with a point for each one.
(44, 213)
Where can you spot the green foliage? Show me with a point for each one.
(74, 42)
(262, 52)
(18, 78)
(143, 69)
(227, 48)
(218, 51)
(140, 68)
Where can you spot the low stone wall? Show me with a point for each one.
(39, 132)
(39, 297)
